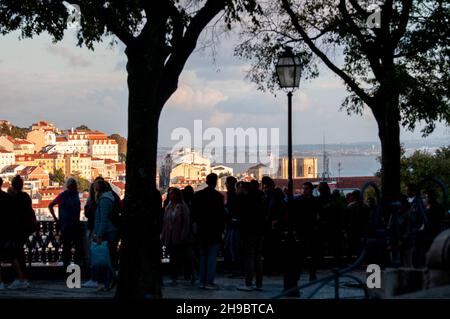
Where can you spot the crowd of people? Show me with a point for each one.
(259, 230)
(102, 210)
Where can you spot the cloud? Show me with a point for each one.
(121, 66)
(196, 93)
(72, 59)
(301, 102)
(219, 119)
(189, 98)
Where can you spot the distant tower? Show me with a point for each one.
(339, 171)
(326, 163)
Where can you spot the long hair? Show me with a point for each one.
(178, 195)
(101, 187)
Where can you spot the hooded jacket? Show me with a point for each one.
(103, 215)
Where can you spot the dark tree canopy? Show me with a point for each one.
(83, 127)
(393, 58)
(411, 43)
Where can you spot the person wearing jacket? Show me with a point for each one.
(176, 233)
(209, 220)
(104, 229)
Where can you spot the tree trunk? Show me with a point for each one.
(141, 249)
(387, 116)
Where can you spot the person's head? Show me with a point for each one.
(230, 183)
(324, 189)
(371, 202)
(431, 197)
(349, 197)
(71, 184)
(245, 188)
(267, 183)
(336, 193)
(17, 183)
(412, 190)
(175, 195)
(101, 187)
(308, 189)
(1, 182)
(404, 204)
(254, 184)
(357, 196)
(188, 192)
(211, 180)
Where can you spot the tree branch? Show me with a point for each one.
(404, 19)
(367, 47)
(110, 21)
(347, 79)
(186, 46)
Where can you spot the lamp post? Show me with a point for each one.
(288, 70)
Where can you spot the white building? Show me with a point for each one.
(94, 143)
(16, 145)
(6, 158)
(104, 148)
(222, 170)
(8, 172)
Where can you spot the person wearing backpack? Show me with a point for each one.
(69, 207)
(104, 229)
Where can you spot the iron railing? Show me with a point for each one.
(335, 277)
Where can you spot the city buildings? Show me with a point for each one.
(188, 167)
(301, 167)
(15, 145)
(6, 158)
(82, 153)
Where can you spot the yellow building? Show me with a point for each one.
(25, 160)
(188, 171)
(46, 162)
(301, 167)
(78, 163)
(60, 162)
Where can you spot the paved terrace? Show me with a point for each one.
(56, 289)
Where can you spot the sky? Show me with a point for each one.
(70, 86)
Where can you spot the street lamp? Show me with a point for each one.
(288, 70)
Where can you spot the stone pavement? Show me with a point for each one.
(56, 289)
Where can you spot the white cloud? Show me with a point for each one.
(72, 59)
(219, 119)
(301, 102)
(190, 98)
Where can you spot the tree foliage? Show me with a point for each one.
(83, 183)
(58, 176)
(408, 53)
(83, 127)
(421, 164)
(121, 142)
(14, 131)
